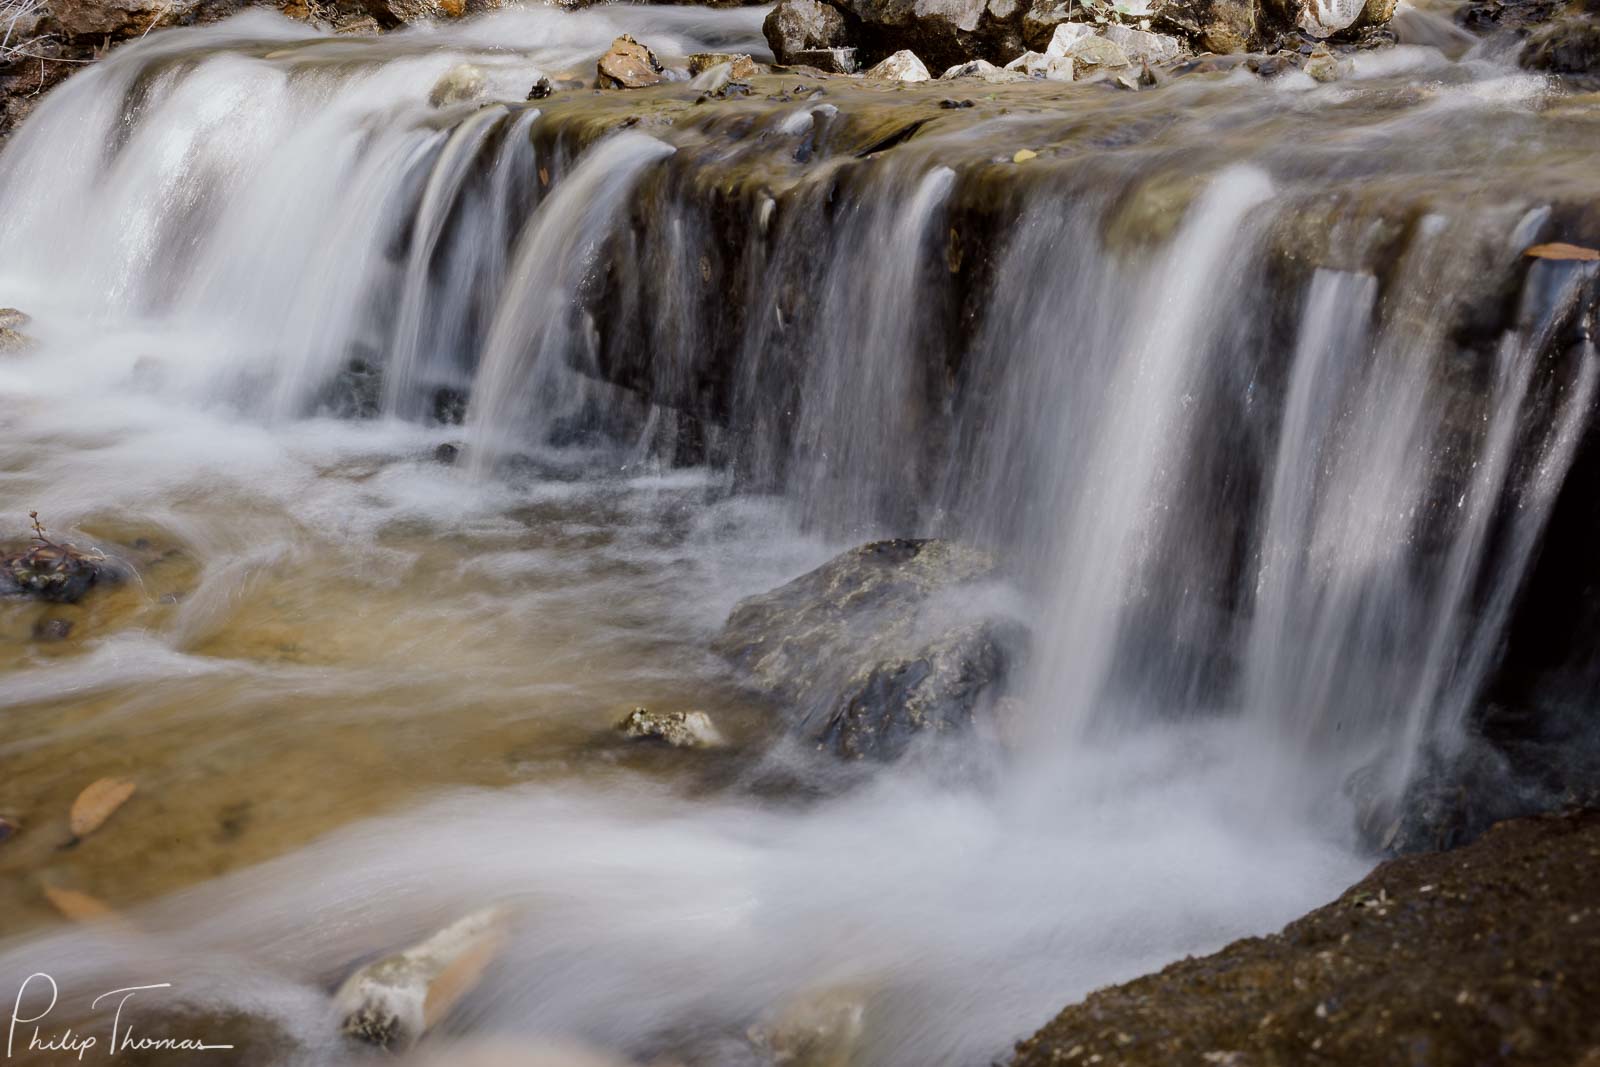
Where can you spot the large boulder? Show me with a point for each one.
(878, 645)
(796, 26)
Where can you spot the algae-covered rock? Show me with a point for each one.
(878, 645)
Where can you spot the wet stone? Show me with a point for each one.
(52, 629)
(460, 84)
(827, 60)
(628, 65)
(680, 729)
(740, 64)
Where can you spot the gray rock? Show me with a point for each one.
(1086, 48)
(458, 85)
(680, 729)
(827, 60)
(903, 66)
(1042, 65)
(877, 646)
(796, 26)
(975, 69)
(627, 64)
(1141, 46)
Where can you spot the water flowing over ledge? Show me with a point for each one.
(1285, 445)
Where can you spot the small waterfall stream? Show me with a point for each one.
(1248, 384)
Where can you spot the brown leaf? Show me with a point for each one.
(1557, 250)
(79, 907)
(97, 803)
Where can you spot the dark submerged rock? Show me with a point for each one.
(1568, 45)
(59, 573)
(1490, 954)
(52, 629)
(877, 646)
(356, 392)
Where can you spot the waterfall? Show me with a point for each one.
(1265, 413)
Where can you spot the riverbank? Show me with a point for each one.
(1486, 954)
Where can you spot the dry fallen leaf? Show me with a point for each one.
(1023, 155)
(1557, 250)
(97, 803)
(79, 907)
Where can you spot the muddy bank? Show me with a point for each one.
(1489, 954)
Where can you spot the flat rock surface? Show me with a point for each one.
(1488, 954)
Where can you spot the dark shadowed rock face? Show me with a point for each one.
(796, 26)
(1490, 954)
(941, 32)
(877, 646)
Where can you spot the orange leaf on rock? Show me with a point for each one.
(1557, 250)
(97, 803)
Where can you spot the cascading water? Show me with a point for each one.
(1263, 411)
